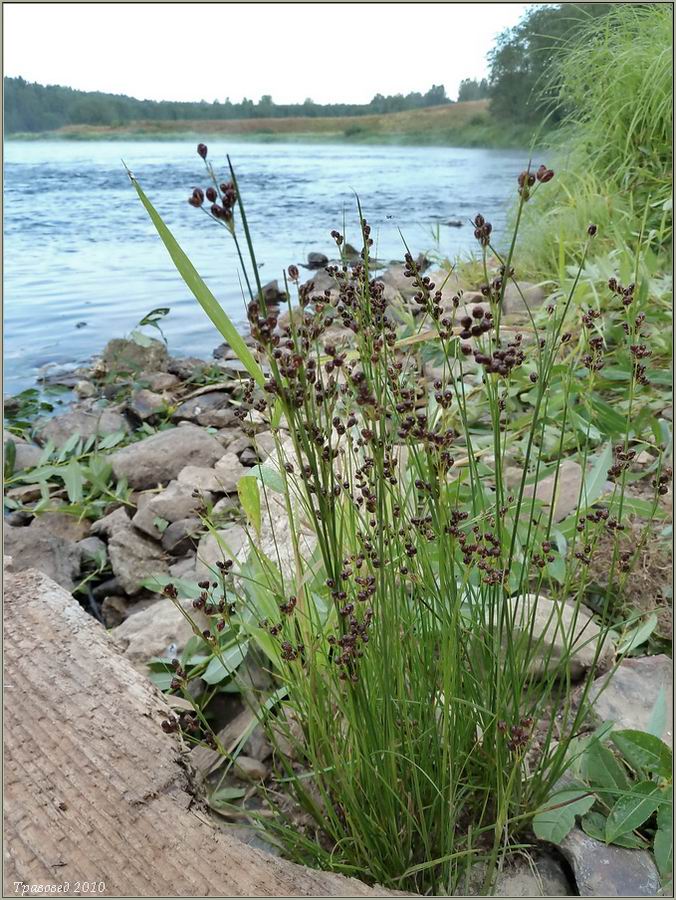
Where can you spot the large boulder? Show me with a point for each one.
(134, 557)
(37, 548)
(558, 633)
(159, 458)
(62, 525)
(174, 503)
(122, 356)
(85, 422)
(158, 630)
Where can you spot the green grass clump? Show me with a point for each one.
(421, 719)
(613, 154)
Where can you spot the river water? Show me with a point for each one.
(83, 263)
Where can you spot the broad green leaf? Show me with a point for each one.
(250, 498)
(111, 440)
(200, 291)
(638, 635)
(269, 476)
(601, 769)
(664, 838)
(225, 795)
(556, 817)
(161, 524)
(187, 589)
(10, 458)
(161, 679)
(73, 479)
(225, 663)
(632, 809)
(658, 717)
(138, 337)
(594, 824)
(644, 751)
(69, 446)
(597, 477)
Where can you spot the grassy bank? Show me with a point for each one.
(461, 125)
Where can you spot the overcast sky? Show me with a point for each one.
(329, 52)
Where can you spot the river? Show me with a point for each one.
(83, 263)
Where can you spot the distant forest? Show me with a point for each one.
(35, 107)
(522, 85)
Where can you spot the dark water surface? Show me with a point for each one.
(80, 248)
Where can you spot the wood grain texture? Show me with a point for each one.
(94, 790)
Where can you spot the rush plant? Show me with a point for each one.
(424, 621)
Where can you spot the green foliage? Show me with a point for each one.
(35, 107)
(523, 80)
(613, 153)
(471, 89)
(78, 472)
(624, 796)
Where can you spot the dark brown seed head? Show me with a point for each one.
(202, 150)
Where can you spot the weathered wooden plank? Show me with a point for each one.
(94, 790)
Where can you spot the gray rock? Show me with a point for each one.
(174, 503)
(109, 524)
(185, 367)
(200, 478)
(61, 524)
(668, 413)
(92, 548)
(248, 457)
(154, 630)
(250, 769)
(317, 260)
(632, 692)
(602, 870)
(26, 455)
(272, 294)
(184, 568)
(133, 558)
(159, 458)
(86, 423)
(209, 550)
(124, 356)
(229, 470)
(211, 410)
(534, 296)
(567, 489)
(114, 610)
(107, 588)
(159, 381)
(264, 443)
(539, 875)
(558, 632)
(145, 404)
(85, 389)
(34, 548)
(180, 537)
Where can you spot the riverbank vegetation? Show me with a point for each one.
(445, 538)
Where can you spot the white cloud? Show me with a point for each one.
(329, 52)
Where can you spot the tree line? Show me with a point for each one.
(31, 107)
(522, 86)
